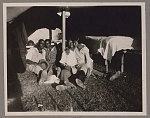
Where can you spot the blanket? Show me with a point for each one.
(110, 45)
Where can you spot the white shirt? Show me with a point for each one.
(34, 55)
(69, 59)
(84, 59)
(83, 56)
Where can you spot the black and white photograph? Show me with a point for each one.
(64, 58)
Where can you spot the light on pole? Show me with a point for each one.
(64, 13)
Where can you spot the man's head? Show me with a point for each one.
(41, 44)
(43, 65)
(30, 43)
(80, 46)
(71, 44)
(47, 43)
(75, 43)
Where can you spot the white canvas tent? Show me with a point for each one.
(42, 33)
(14, 12)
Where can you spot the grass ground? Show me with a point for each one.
(122, 94)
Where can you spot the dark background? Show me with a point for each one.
(95, 21)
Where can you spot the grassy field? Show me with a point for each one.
(101, 94)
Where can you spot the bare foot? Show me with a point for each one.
(80, 83)
(115, 76)
(61, 87)
(43, 77)
(70, 85)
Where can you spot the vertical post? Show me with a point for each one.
(63, 30)
(106, 64)
(122, 63)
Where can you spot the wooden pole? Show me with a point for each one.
(122, 61)
(63, 30)
(106, 64)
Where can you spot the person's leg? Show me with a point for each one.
(58, 69)
(65, 74)
(81, 75)
(34, 68)
(80, 79)
(31, 68)
(72, 79)
(50, 71)
(43, 76)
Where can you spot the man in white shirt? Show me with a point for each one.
(84, 65)
(68, 62)
(35, 58)
(68, 58)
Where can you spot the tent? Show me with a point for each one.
(98, 20)
(83, 21)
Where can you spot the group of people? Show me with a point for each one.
(74, 65)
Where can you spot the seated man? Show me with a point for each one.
(68, 62)
(36, 60)
(84, 66)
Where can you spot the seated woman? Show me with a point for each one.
(51, 53)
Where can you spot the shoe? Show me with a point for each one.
(115, 76)
(70, 85)
(61, 87)
(80, 83)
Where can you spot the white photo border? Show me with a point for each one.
(143, 17)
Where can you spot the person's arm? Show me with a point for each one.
(29, 56)
(55, 52)
(44, 54)
(53, 59)
(41, 60)
(63, 60)
(88, 63)
(88, 58)
(88, 73)
(30, 62)
(78, 66)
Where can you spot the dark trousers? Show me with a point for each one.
(80, 75)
